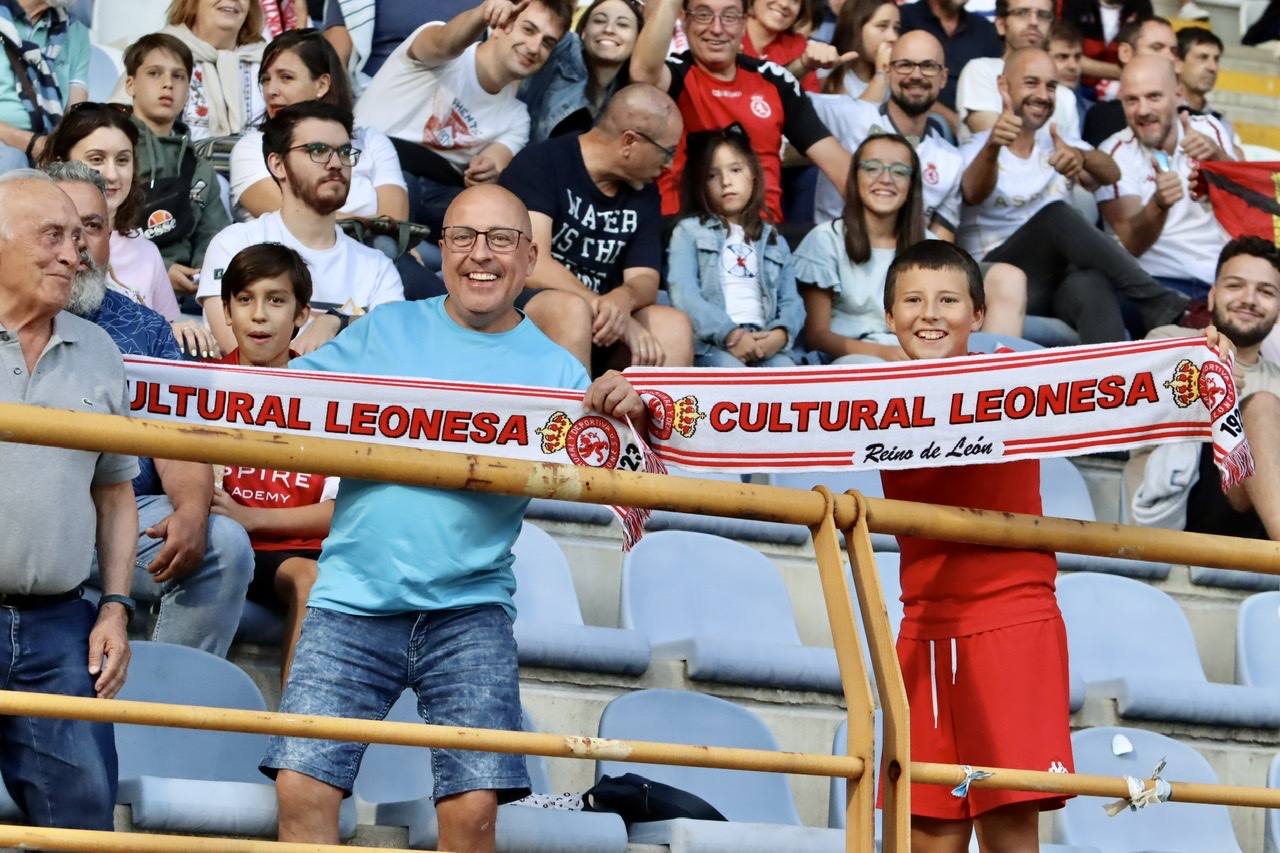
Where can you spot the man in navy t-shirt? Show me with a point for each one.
(593, 201)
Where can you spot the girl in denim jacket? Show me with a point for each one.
(729, 270)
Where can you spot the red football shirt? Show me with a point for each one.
(763, 98)
(264, 487)
(951, 589)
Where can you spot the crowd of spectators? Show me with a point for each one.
(717, 183)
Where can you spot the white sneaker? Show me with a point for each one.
(1191, 12)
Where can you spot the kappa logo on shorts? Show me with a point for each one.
(1058, 767)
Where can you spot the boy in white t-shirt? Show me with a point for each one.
(449, 104)
(1017, 179)
(309, 152)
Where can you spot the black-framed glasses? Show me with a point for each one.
(729, 18)
(907, 67)
(668, 154)
(873, 169)
(1044, 16)
(460, 238)
(321, 152)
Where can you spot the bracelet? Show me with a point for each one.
(124, 601)
(343, 319)
(31, 144)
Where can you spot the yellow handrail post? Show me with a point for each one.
(895, 715)
(860, 794)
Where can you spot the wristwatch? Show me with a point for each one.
(125, 601)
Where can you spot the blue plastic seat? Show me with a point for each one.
(730, 528)
(1064, 494)
(1271, 835)
(865, 481)
(1233, 579)
(548, 509)
(103, 73)
(395, 785)
(1257, 638)
(1131, 642)
(259, 625)
(991, 341)
(549, 628)
(184, 780)
(840, 746)
(762, 816)
(722, 607)
(1168, 827)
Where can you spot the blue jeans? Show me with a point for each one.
(428, 200)
(12, 158)
(60, 772)
(201, 610)
(1193, 287)
(724, 358)
(460, 663)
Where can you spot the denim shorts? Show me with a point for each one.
(460, 663)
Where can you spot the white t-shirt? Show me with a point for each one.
(851, 121)
(977, 91)
(347, 276)
(739, 279)
(378, 166)
(1022, 188)
(442, 107)
(1192, 237)
(1110, 16)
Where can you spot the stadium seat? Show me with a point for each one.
(840, 746)
(991, 341)
(1064, 495)
(1131, 642)
(1234, 579)
(183, 780)
(259, 625)
(395, 784)
(867, 482)
(722, 607)
(762, 816)
(105, 68)
(1271, 835)
(546, 509)
(119, 23)
(1049, 332)
(549, 629)
(729, 528)
(1167, 827)
(1257, 638)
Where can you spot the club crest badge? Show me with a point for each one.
(667, 415)
(1210, 383)
(590, 440)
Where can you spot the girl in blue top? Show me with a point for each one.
(728, 269)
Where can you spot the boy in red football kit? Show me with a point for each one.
(982, 645)
(266, 290)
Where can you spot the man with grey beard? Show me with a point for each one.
(196, 566)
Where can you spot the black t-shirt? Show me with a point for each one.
(596, 236)
(1101, 121)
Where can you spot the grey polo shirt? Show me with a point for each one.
(47, 517)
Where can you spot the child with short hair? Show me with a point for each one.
(982, 645)
(184, 207)
(265, 294)
(728, 269)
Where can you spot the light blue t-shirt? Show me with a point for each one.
(398, 549)
(70, 68)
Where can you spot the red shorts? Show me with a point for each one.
(996, 699)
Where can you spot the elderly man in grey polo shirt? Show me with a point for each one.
(56, 505)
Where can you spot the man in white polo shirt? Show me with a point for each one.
(1022, 24)
(308, 150)
(1175, 237)
(917, 73)
(1016, 181)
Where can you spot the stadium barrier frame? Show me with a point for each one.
(828, 516)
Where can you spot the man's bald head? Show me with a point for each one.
(641, 107)
(488, 253)
(1149, 96)
(1030, 79)
(39, 243)
(918, 45)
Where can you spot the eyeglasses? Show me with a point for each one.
(873, 169)
(729, 18)
(460, 238)
(122, 109)
(906, 67)
(668, 154)
(320, 152)
(1043, 15)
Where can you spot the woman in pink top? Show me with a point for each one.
(103, 137)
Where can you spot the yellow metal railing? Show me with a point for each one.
(834, 520)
